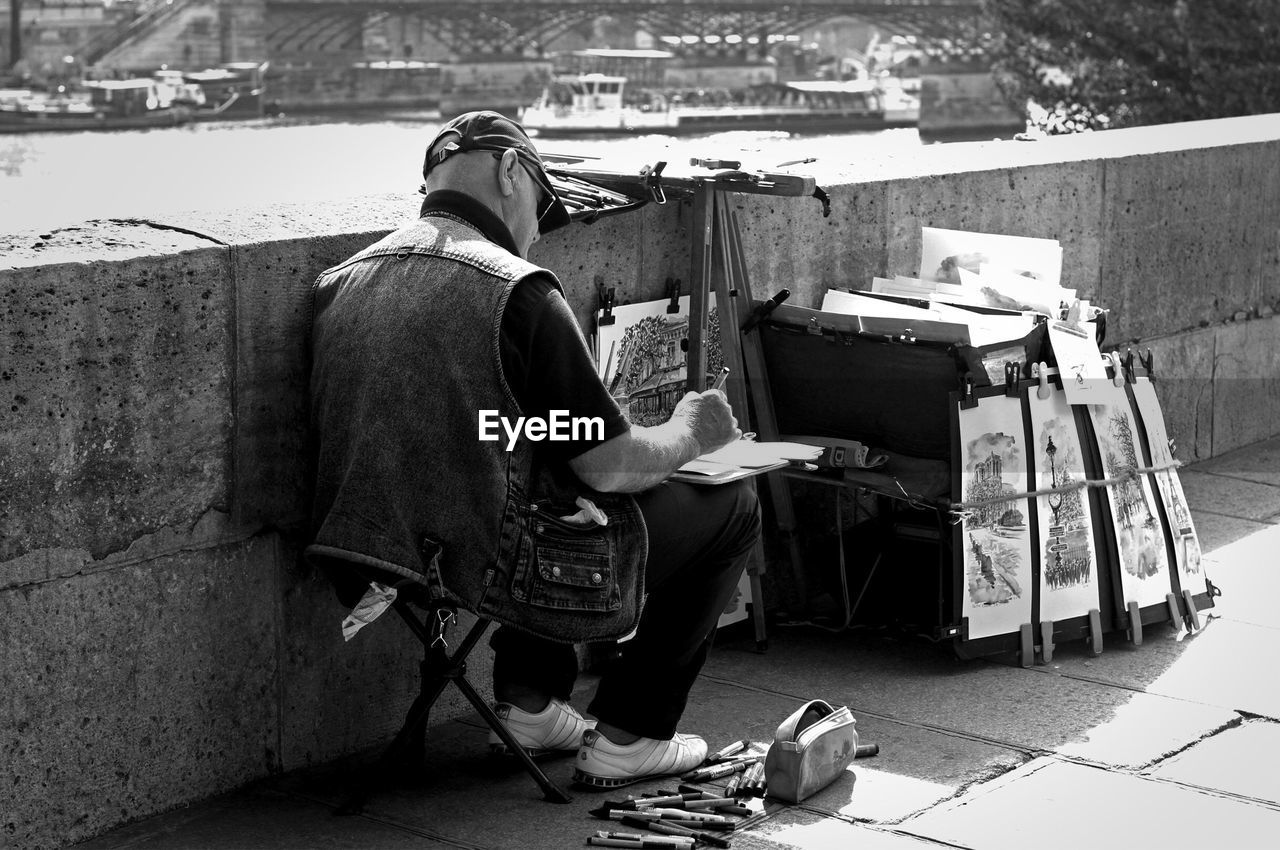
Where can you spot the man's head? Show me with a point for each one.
(489, 156)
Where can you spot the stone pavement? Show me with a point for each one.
(1171, 744)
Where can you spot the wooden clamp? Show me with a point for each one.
(967, 400)
(1175, 614)
(1012, 375)
(1135, 624)
(606, 304)
(1191, 609)
(1117, 371)
(1027, 645)
(673, 292)
(1095, 631)
(1041, 372)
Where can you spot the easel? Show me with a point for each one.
(716, 260)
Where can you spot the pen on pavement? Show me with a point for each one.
(721, 378)
(678, 803)
(719, 826)
(670, 828)
(658, 800)
(649, 840)
(737, 746)
(611, 811)
(686, 814)
(753, 781)
(708, 803)
(716, 771)
(606, 839)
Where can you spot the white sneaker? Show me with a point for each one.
(604, 764)
(556, 727)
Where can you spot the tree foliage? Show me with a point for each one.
(1094, 64)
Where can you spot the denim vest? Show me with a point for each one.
(405, 353)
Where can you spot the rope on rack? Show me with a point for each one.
(960, 511)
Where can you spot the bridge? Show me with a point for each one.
(526, 27)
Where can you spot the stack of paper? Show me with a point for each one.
(1009, 272)
(744, 458)
(980, 329)
(995, 289)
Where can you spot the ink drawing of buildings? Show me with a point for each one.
(996, 527)
(1139, 533)
(1067, 558)
(995, 541)
(646, 374)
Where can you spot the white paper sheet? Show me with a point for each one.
(944, 251)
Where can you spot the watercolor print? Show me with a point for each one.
(1068, 562)
(642, 357)
(1186, 545)
(996, 544)
(1135, 518)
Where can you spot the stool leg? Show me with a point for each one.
(551, 792)
(412, 734)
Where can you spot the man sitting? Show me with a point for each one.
(442, 326)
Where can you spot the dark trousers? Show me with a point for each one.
(700, 539)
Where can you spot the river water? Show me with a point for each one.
(52, 180)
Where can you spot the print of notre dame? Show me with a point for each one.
(648, 378)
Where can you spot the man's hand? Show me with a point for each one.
(709, 419)
(643, 457)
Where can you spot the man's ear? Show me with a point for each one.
(508, 167)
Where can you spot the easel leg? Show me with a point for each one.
(757, 600)
(733, 290)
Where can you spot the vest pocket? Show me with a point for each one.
(566, 566)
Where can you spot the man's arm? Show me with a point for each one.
(643, 457)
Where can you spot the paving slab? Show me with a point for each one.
(1230, 496)
(1248, 572)
(1227, 665)
(1052, 804)
(1217, 530)
(796, 827)
(1259, 462)
(1008, 706)
(259, 819)
(916, 769)
(1229, 761)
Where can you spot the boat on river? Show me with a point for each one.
(100, 105)
(165, 99)
(600, 103)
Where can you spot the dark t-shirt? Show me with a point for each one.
(544, 357)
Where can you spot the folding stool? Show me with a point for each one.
(438, 669)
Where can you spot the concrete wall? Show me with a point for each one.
(159, 641)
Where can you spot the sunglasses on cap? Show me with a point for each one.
(546, 197)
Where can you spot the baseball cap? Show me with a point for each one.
(492, 131)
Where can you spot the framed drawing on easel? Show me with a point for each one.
(1137, 532)
(989, 468)
(1069, 588)
(641, 356)
(1192, 584)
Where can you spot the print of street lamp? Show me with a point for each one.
(1055, 505)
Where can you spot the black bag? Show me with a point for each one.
(830, 378)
